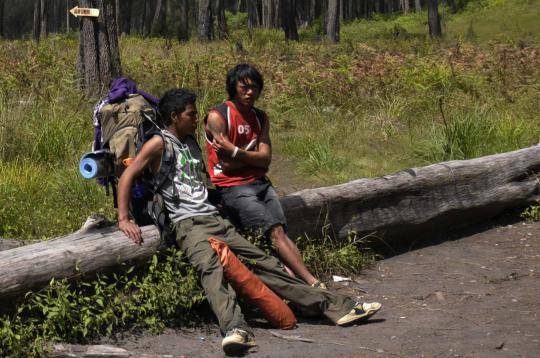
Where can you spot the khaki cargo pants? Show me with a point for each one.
(192, 236)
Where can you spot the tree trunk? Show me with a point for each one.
(99, 56)
(453, 6)
(417, 6)
(332, 22)
(159, 24)
(32, 266)
(427, 199)
(183, 21)
(405, 6)
(390, 6)
(54, 26)
(303, 12)
(270, 14)
(44, 11)
(59, 16)
(242, 5)
(253, 16)
(434, 20)
(1, 18)
(319, 8)
(142, 19)
(287, 9)
(37, 20)
(398, 207)
(68, 27)
(148, 17)
(222, 20)
(231, 5)
(205, 20)
(117, 17)
(126, 18)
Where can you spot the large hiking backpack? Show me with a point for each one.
(122, 124)
(123, 127)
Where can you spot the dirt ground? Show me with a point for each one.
(474, 296)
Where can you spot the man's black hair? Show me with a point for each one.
(174, 101)
(241, 73)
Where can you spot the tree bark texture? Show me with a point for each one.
(314, 9)
(253, 15)
(68, 27)
(126, 16)
(270, 18)
(148, 16)
(141, 23)
(395, 207)
(43, 17)
(231, 5)
(332, 21)
(434, 20)
(99, 55)
(438, 196)
(405, 6)
(159, 24)
(32, 266)
(417, 6)
(205, 20)
(453, 6)
(36, 27)
(221, 19)
(183, 21)
(55, 18)
(287, 9)
(117, 16)
(1, 18)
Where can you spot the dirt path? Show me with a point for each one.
(476, 296)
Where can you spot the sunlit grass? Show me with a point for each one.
(367, 106)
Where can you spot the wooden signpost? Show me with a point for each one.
(82, 11)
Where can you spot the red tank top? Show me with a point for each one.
(244, 132)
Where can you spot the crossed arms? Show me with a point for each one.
(261, 157)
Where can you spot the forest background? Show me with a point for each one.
(382, 96)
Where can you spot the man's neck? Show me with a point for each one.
(241, 108)
(175, 133)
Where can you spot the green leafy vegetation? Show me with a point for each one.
(532, 212)
(164, 292)
(329, 256)
(385, 98)
(325, 255)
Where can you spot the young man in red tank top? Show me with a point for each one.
(239, 154)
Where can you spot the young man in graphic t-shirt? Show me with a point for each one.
(196, 219)
(239, 154)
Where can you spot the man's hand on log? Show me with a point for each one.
(133, 231)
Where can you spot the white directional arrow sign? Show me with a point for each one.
(83, 11)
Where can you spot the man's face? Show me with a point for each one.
(186, 122)
(247, 92)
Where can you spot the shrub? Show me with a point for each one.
(162, 293)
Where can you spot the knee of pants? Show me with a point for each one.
(203, 258)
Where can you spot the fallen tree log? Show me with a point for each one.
(438, 196)
(406, 202)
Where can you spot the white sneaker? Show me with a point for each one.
(237, 340)
(360, 312)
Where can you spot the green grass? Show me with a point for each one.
(471, 134)
(364, 107)
(498, 20)
(368, 106)
(163, 292)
